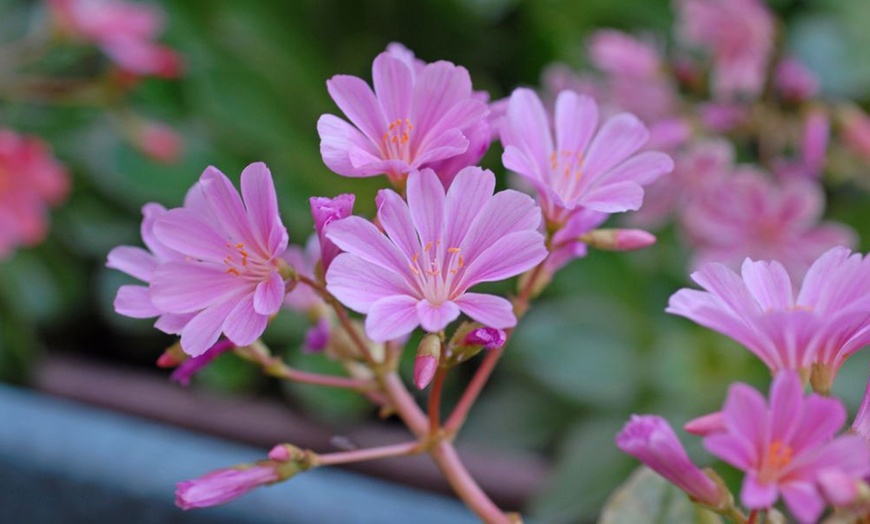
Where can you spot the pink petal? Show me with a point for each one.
(786, 405)
(816, 278)
(576, 121)
(182, 230)
(769, 284)
(243, 325)
(755, 495)
(506, 212)
(426, 201)
(511, 255)
(358, 284)
(185, 287)
(490, 310)
(360, 237)
(446, 144)
(527, 128)
(226, 204)
(727, 286)
(356, 100)
(613, 198)
(337, 140)
(803, 500)
(172, 323)
(745, 414)
(135, 302)
(439, 87)
(391, 317)
(261, 203)
(269, 295)
(472, 184)
(134, 261)
(395, 218)
(733, 450)
(463, 115)
(394, 83)
(204, 329)
(618, 138)
(434, 318)
(822, 419)
(643, 168)
(518, 161)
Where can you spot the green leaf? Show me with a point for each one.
(647, 497)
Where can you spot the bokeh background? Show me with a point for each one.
(597, 346)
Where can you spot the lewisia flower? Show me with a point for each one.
(230, 279)
(436, 247)
(124, 30)
(788, 446)
(651, 440)
(585, 166)
(31, 180)
(325, 211)
(133, 300)
(738, 33)
(415, 116)
(749, 215)
(828, 319)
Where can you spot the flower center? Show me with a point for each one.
(396, 140)
(435, 269)
(566, 172)
(777, 458)
(237, 259)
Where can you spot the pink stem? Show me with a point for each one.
(472, 391)
(360, 455)
(463, 484)
(323, 380)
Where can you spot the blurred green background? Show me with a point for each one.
(596, 348)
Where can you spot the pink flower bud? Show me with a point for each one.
(325, 211)
(706, 425)
(317, 336)
(424, 370)
(223, 485)
(652, 441)
(631, 239)
(193, 365)
(159, 142)
(489, 338)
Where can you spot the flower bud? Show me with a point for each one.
(426, 363)
(618, 239)
(172, 356)
(224, 485)
(324, 211)
(193, 365)
(489, 338)
(651, 440)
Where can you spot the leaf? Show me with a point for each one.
(647, 497)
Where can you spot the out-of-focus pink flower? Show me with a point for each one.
(158, 141)
(861, 424)
(794, 81)
(584, 166)
(813, 149)
(325, 211)
(230, 279)
(651, 440)
(224, 485)
(436, 247)
(739, 36)
(856, 131)
(749, 215)
(622, 54)
(305, 300)
(702, 163)
(413, 118)
(31, 180)
(124, 30)
(721, 117)
(133, 300)
(190, 367)
(786, 444)
(706, 425)
(821, 326)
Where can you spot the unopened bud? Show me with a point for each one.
(285, 453)
(489, 338)
(426, 363)
(172, 356)
(618, 239)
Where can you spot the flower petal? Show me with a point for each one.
(509, 256)
(243, 325)
(434, 318)
(471, 187)
(269, 295)
(135, 302)
(391, 317)
(618, 138)
(426, 201)
(261, 203)
(356, 100)
(490, 310)
(394, 84)
(576, 121)
(339, 141)
(134, 261)
(358, 283)
(204, 329)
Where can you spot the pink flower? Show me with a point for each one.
(230, 278)
(436, 247)
(125, 31)
(861, 424)
(794, 81)
(325, 211)
(651, 440)
(748, 215)
(159, 142)
(583, 168)
(621, 54)
(31, 180)
(813, 149)
(135, 301)
(738, 34)
(856, 131)
(413, 118)
(785, 446)
(224, 485)
(828, 319)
